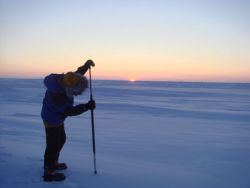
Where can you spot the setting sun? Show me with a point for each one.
(132, 80)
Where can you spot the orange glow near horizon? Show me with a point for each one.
(162, 72)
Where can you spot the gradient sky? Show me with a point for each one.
(181, 40)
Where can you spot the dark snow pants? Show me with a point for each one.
(55, 139)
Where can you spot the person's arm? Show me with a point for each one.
(76, 110)
(80, 108)
(84, 68)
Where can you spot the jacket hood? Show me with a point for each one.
(52, 83)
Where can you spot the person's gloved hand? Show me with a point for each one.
(84, 68)
(91, 105)
(89, 63)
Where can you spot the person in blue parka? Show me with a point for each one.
(58, 104)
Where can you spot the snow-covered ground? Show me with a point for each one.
(148, 135)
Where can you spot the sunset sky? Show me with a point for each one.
(175, 40)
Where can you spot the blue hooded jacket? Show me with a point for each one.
(55, 102)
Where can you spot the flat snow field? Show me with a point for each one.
(148, 135)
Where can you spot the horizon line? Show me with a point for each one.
(140, 80)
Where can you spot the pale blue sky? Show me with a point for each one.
(162, 40)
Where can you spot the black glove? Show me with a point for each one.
(83, 69)
(76, 110)
(91, 105)
(89, 63)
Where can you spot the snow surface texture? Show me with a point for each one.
(148, 135)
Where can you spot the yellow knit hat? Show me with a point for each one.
(74, 83)
(70, 79)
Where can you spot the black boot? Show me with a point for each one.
(61, 166)
(51, 175)
(57, 166)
